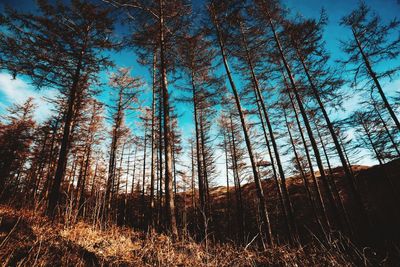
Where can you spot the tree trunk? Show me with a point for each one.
(197, 136)
(303, 175)
(144, 177)
(238, 188)
(169, 200)
(376, 81)
(310, 163)
(386, 128)
(348, 173)
(153, 149)
(282, 190)
(65, 142)
(260, 193)
(306, 122)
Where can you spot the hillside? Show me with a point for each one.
(378, 187)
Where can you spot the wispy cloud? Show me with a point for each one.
(18, 91)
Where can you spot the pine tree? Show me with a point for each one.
(159, 25)
(372, 44)
(127, 89)
(16, 137)
(216, 12)
(60, 47)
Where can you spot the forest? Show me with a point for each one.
(199, 133)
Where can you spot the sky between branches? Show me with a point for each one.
(17, 91)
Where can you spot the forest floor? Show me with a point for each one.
(28, 239)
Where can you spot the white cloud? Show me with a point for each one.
(18, 91)
(392, 87)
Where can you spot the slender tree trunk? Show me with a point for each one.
(112, 163)
(36, 176)
(126, 187)
(310, 163)
(160, 149)
(238, 188)
(134, 171)
(153, 149)
(144, 177)
(94, 179)
(197, 136)
(306, 122)
(303, 175)
(333, 184)
(287, 206)
(348, 174)
(386, 128)
(82, 197)
(260, 193)
(174, 165)
(192, 182)
(228, 196)
(65, 142)
(204, 160)
(169, 200)
(376, 81)
(379, 157)
(53, 151)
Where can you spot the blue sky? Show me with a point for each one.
(19, 90)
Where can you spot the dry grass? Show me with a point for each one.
(28, 239)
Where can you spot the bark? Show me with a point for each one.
(266, 226)
(306, 122)
(282, 189)
(199, 163)
(169, 200)
(376, 81)
(153, 148)
(303, 175)
(65, 142)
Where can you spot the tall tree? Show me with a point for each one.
(372, 44)
(216, 12)
(16, 137)
(60, 47)
(126, 88)
(159, 24)
(248, 40)
(196, 61)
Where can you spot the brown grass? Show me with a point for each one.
(28, 239)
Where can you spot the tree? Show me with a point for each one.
(196, 61)
(272, 13)
(248, 53)
(216, 11)
(127, 91)
(372, 44)
(91, 137)
(159, 24)
(16, 137)
(59, 48)
(305, 37)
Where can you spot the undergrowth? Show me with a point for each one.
(28, 239)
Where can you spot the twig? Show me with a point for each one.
(12, 230)
(254, 238)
